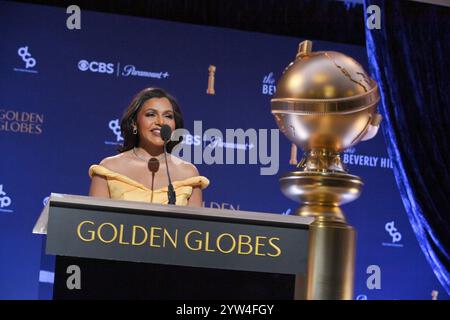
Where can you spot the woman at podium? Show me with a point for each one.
(139, 171)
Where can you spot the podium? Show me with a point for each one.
(114, 249)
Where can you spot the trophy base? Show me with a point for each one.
(321, 193)
(331, 188)
(331, 257)
(331, 261)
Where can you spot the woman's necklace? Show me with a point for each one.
(159, 158)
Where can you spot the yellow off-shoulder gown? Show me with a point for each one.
(123, 188)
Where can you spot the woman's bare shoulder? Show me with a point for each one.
(184, 169)
(115, 163)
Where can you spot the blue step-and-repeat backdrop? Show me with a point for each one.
(62, 93)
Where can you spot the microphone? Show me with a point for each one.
(166, 132)
(153, 166)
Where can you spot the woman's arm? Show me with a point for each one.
(99, 184)
(196, 199)
(186, 170)
(99, 187)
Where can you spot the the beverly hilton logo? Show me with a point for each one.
(351, 157)
(5, 201)
(268, 85)
(27, 59)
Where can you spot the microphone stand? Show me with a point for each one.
(170, 192)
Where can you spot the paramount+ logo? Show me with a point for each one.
(96, 66)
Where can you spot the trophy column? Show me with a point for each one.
(325, 103)
(331, 261)
(331, 257)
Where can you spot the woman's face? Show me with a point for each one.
(154, 113)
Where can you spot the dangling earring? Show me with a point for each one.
(134, 130)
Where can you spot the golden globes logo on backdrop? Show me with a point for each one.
(21, 121)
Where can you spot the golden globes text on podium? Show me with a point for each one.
(325, 103)
(137, 250)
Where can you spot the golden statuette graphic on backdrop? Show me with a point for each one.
(324, 103)
(211, 80)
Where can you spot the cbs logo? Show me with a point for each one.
(95, 66)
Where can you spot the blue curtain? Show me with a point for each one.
(409, 57)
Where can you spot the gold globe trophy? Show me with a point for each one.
(325, 103)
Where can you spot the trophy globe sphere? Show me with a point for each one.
(325, 100)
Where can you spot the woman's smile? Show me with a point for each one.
(156, 132)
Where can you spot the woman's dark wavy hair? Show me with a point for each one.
(129, 117)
